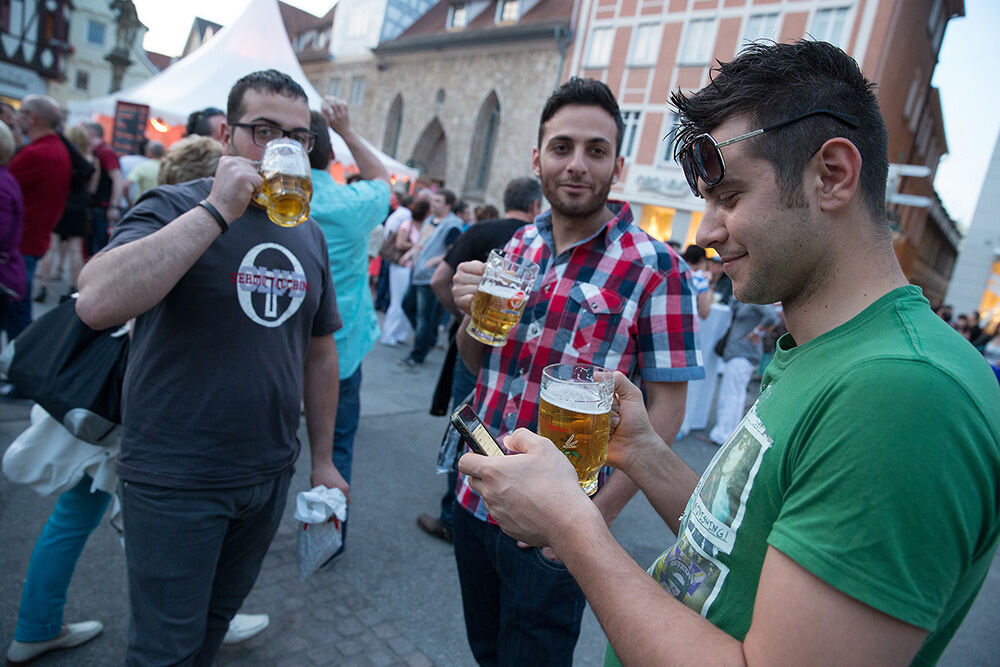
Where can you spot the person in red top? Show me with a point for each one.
(43, 170)
(104, 211)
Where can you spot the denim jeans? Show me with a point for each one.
(428, 317)
(463, 381)
(520, 607)
(348, 413)
(98, 237)
(193, 556)
(18, 315)
(76, 514)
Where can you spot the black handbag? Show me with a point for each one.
(71, 370)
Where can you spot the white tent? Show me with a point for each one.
(204, 77)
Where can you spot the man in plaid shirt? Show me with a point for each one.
(607, 294)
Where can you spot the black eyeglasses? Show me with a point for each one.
(701, 158)
(265, 132)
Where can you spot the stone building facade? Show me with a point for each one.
(462, 102)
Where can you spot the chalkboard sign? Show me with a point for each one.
(130, 126)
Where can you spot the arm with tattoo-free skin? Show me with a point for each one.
(320, 392)
(126, 281)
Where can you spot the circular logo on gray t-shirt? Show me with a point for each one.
(283, 289)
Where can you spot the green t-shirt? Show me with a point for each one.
(872, 459)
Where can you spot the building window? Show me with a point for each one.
(508, 11)
(698, 42)
(760, 26)
(393, 124)
(82, 80)
(357, 90)
(645, 45)
(599, 54)
(334, 87)
(631, 119)
(828, 25)
(95, 32)
(477, 176)
(457, 16)
(670, 127)
(936, 23)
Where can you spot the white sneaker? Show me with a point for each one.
(73, 634)
(245, 626)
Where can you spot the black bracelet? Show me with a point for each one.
(214, 212)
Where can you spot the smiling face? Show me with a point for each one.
(576, 161)
(288, 113)
(772, 250)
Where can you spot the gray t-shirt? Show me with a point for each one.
(746, 318)
(214, 379)
(448, 229)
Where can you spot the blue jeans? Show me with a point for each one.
(18, 315)
(520, 607)
(348, 413)
(428, 315)
(193, 556)
(98, 231)
(76, 514)
(463, 381)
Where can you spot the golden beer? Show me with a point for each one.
(287, 198)
(574, 412)
(495, 311)
(503, 293)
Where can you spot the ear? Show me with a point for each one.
(536, 165)
(616, 175)
(838, 170)
(227, 146)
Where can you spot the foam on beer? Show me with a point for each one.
(499, 291)
(576, 397)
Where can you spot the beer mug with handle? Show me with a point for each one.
(287, 188)
(503, 293)
(574, 412)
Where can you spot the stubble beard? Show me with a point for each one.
(578, 209)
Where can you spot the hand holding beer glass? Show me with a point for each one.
(287, 187)
(574, 412)
(500, 300)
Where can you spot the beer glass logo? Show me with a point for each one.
(269, 295)
(515, 302)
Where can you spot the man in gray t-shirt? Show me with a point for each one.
(425, 310)
(234, 330)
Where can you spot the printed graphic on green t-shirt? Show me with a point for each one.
(691, 570)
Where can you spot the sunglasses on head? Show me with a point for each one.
(701, 158)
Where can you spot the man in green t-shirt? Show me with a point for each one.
(852, 516)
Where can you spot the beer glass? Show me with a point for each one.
(574, 412)
(287, 187)
(503, 292)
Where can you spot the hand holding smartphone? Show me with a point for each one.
(474, 432)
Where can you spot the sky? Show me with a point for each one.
(969, 86)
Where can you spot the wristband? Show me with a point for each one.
(214, 212)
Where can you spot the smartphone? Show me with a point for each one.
(474, 432)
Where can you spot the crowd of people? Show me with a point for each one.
(804, 539)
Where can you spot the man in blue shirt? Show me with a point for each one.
(347, 214)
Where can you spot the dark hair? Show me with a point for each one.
(459, 207)
(584, 92)
(521, 193)
(694, 254)
(419, 209)
(769, 83)
(268, 81)
(198, 122)
(486, 212)
(405, 199)
(319, 156)
(449, 196)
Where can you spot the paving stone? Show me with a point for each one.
(418, 659)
